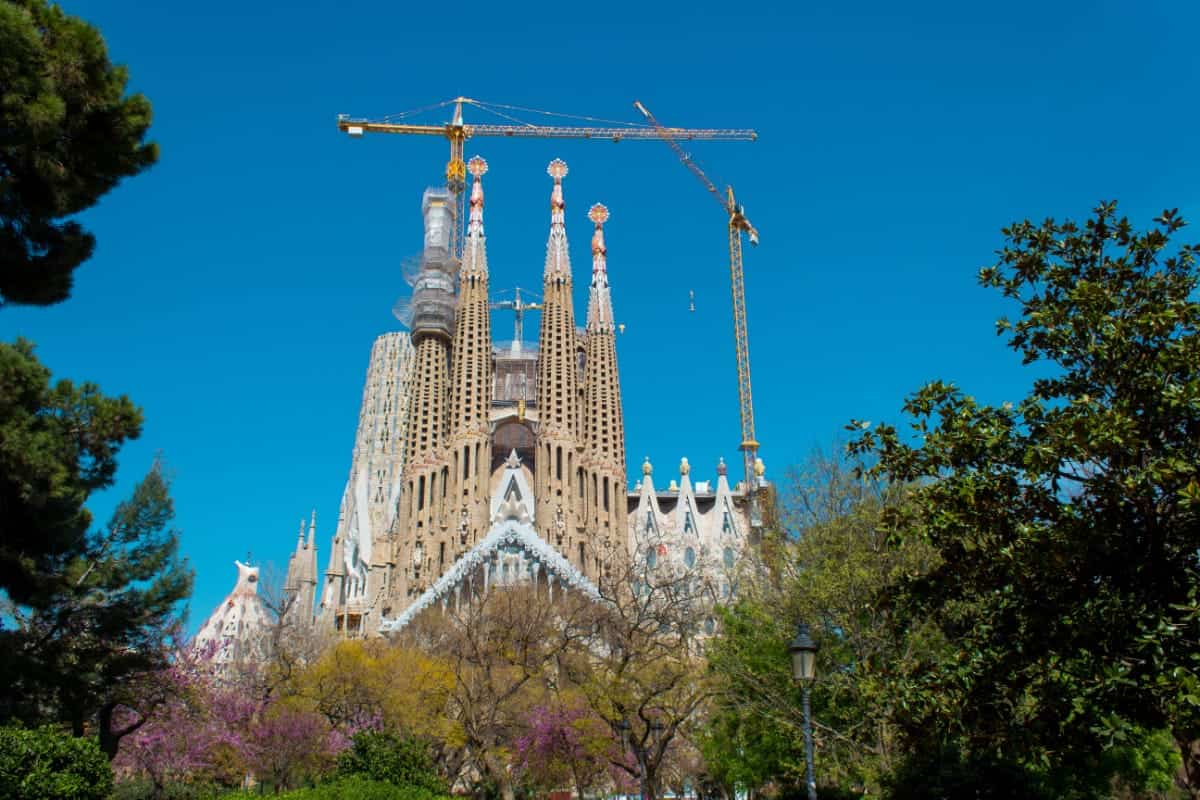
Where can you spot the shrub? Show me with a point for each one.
(391, 759)
(354, 787)
(46, 764)
(952, 775)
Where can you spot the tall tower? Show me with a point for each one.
(425, 474)
(300, 584)
(604, 430)
(372, 490)
(469, 453)
(557, 382)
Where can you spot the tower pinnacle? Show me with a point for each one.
(600, 313)
(558, 262)
(477, 167)
(599, 215)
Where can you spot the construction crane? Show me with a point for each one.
(738, 224)
(457, 131)
(518, 307)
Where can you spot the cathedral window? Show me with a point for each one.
(688, 525)
(421, 493)
(651, 557)
(606, 494)
(689, 558)
(728, 557)
(726, 523)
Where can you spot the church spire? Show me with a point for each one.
(600, 313)
(558, 260)
(470, 386)
(603, 426)
(558, 398)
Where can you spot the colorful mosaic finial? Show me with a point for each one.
(477, 167)
(647, 468)
(721, 468)
(557, 170)
(598, 214)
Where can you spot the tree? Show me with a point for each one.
(94, 611)
(565, 745)
(192, 727)
(391, 759)
(371, 684)
(501, 647)
(58, 445)
(68, 135)
(640, 666)
(1065, 523)
(287, 746)
(45, 764)
(828, 564)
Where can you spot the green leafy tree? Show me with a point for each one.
(828, 565)
(89, 613)
(45, 764)
(1065, 523)
(392, 759)
(68, 134)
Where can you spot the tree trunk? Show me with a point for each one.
(1189, 772)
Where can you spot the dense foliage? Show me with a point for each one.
(386, 757)
(1065, 522)
(58, 446)
(828, 565)
(91, 611)
(47, 764)
(354, 787)
(68, 135)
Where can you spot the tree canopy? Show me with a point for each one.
(90, 610)
(1065, 522)
(68, 135)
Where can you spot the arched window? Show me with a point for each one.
(651, 557)
(689, 558)
(728, 556)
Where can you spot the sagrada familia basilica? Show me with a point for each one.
(479, 462)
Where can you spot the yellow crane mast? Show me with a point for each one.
(738, 224)
(457, 131)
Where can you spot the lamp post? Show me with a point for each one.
(804, 670)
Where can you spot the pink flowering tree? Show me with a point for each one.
(288, 746)
(194, 725)
(565, 746)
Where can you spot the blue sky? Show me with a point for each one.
(237, 286)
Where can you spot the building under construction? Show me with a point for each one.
(479, 463)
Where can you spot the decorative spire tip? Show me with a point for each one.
(557, 170)
(598, 214)
(477, 166)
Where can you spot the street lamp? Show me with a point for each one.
(804, 670)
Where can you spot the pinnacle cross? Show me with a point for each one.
(477, 167)
(598, 214)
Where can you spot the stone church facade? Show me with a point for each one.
(479, 462)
